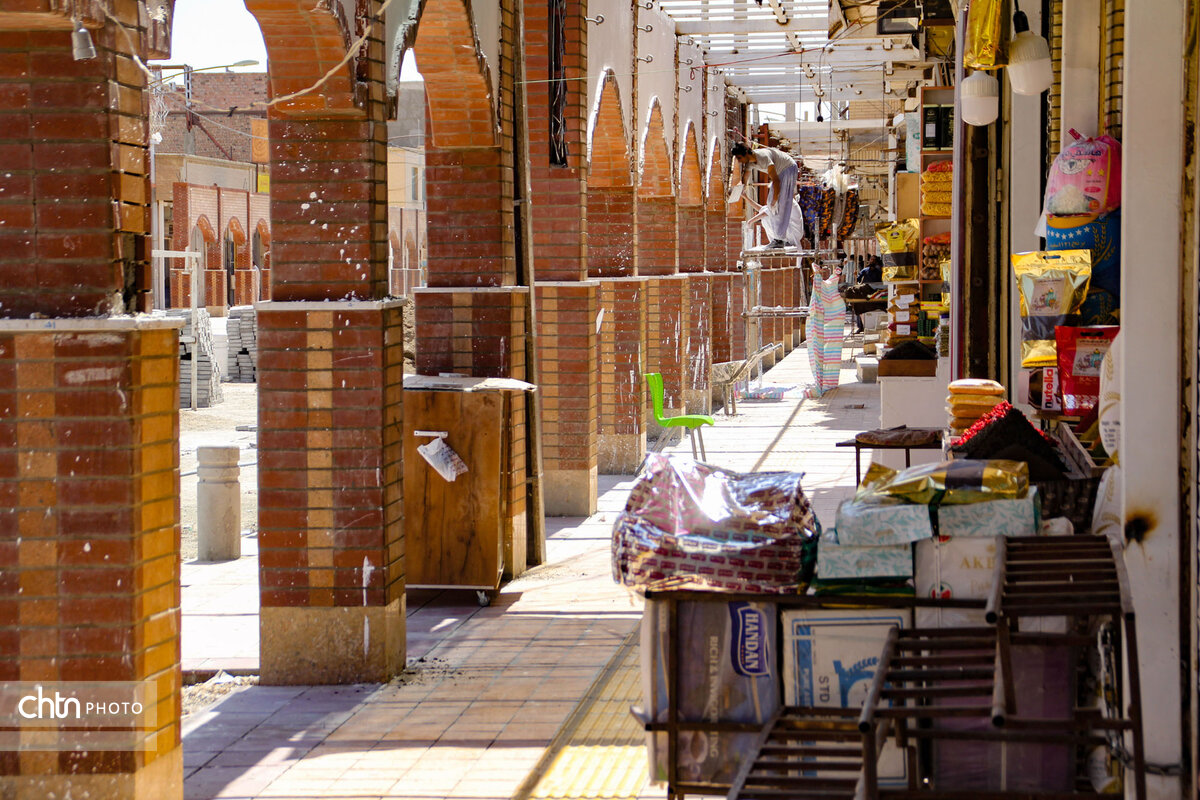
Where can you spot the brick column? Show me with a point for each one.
(716, 237)
(612, 231)
(667, 322)
(697, 393)
(330, 538)
(331, 545)
(89, 438)
(570, 397)
(622, 363)
(690, 226)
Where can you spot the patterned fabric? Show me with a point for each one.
(826, 327)
(817, 203)
(849, 214)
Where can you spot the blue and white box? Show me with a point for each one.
(829, 660)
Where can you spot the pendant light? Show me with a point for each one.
(1029, 67)
(980, 96)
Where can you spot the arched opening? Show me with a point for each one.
(656, 200)
(260, 261)
(690, 213)
(715, 233)
(470, 215)
(238, 290)
(611, 199)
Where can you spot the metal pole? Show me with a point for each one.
(196, 289)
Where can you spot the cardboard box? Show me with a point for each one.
(829, 660)
(876, 525)
(907, 368)
(727, 673)
(1021, 517)
(836, 561)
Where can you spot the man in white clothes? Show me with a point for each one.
(781, 170)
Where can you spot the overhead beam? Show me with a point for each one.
(850, 76)
(730, 27)
(807, 95)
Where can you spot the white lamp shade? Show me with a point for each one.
(1029, 67)
(980, 99)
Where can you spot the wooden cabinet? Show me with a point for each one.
(454, 530)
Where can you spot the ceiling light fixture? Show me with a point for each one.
(1029, 67)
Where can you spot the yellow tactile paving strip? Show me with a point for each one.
(600, 751)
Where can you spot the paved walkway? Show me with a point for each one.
(486, 689)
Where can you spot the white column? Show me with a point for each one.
(1151, 360)
(1080, 68)
(218, 504)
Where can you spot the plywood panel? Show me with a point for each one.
(454, 528)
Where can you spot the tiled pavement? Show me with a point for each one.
(487, 688)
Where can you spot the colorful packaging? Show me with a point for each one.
(987, 36)
(1053, 286)
(1085, 178)
(898, 250)
(1081, 354)
(1101, 234)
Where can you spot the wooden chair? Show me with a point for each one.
(690, 422)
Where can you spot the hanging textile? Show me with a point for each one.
(849, 218)
(826, 327)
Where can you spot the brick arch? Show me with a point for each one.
(304, 40)
(608, 142)
(655, 162)
(716, 234)
(263, 231)
(234, 229)
(457, 84)
(691, 185)
(206, 229)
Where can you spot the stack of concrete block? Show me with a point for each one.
(197, 344)
(242, 331)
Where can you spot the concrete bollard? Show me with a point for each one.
(218, 504)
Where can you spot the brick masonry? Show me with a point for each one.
(699, 343)
(568, 356)
(199, 213)
(329, 474)
(89, 530)
(667, 326)
(622, 362)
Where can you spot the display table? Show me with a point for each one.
(917, 402)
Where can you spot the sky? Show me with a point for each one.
(211, 33)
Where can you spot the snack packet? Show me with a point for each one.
(986, 35)
(898, 250)
(1053, 286)
(1081, 354)
(957, 481)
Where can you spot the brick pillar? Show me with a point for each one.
(697, 394)
(89, 472)
(739, 326)
(570, 394)
(656, 232)
(89, 536)
(667, 324)
(716, 236)
(566, 313)
(331, 545)
(331, 569)
(481, 332)
(622, 363)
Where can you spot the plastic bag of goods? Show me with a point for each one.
(898, 249)
(1081, 354)
(1085, 178)
(1052, 286)
(689, 525)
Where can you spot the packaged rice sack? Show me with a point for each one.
(1052, 287)
(1085, 178)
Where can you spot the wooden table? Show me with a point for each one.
(907, 448)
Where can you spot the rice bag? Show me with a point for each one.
(1101, 234)
(1052, 286)
(1085, 178)
(1081, 354)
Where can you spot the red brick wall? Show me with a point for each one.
(656, 222)
(716, 246)
(699, 342)
(89, 521)
(567, 350)
(74, 202)
(237, 90)
(690, 214)
(622, 350)
(667, 330)
(559, 192)
(611, 199)
(331, 389)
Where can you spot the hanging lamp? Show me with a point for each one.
(1029, 67)
(980, 97)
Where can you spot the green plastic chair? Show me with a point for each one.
(691, 422)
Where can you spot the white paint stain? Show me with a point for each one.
(366, 637)
(367, 569)
(92, 375)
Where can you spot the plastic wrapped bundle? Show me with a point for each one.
(691, 525)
